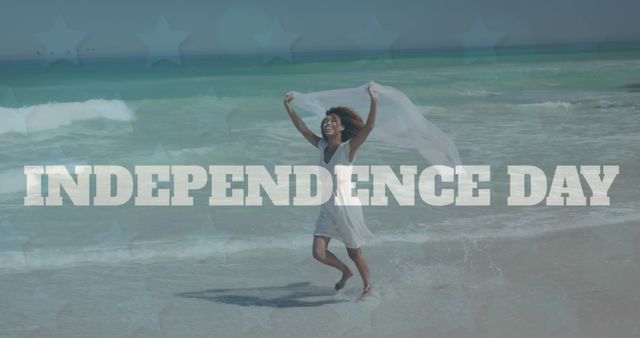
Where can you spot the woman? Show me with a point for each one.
(342, 134)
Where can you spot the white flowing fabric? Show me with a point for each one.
(398, 122)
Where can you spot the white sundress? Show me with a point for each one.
(342, 222)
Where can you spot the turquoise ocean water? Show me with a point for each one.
(525, 107)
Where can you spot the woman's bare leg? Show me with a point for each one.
(358, 258)
(320, 252)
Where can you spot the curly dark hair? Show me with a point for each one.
(351, 121)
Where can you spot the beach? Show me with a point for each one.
(573, 283)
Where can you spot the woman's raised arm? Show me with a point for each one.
(298, 123)
(358, 139)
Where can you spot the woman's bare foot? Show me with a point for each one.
(366, 292)
(341, 283)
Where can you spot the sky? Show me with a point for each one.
(35, 29)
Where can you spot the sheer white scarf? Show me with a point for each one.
(398, 121)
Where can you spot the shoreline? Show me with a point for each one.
(566, 283)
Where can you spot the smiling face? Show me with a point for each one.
(331, 125)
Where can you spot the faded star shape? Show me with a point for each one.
(375, 38)
(480, 42)
(61, 42)
(276, 42)
(163, 43)
(142, 309)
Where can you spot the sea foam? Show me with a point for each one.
(53, 115)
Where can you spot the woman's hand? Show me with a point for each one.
(298, 123)
(372, 92)
(288, 98)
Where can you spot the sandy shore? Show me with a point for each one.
(577, 283)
